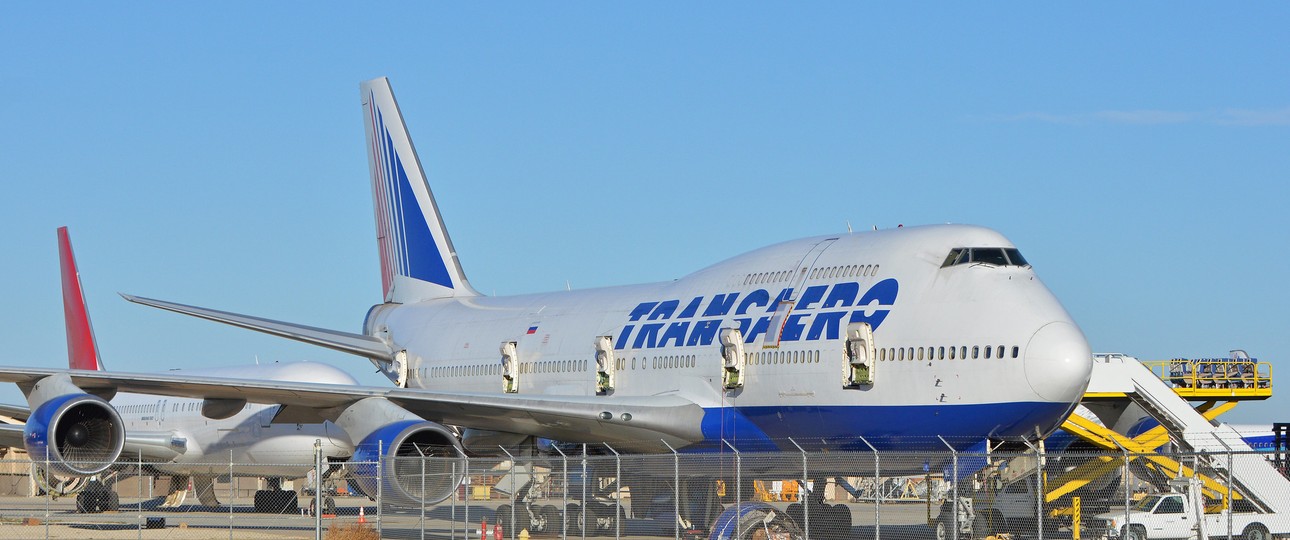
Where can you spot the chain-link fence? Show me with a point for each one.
(592, 491)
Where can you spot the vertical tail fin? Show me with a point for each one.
(418, 261)
(82, 349)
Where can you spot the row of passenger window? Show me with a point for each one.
(898, 354)
(829, 272)
(475, 370)
(657, 362)
(855, 270)
(782, 357)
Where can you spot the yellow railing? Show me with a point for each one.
(1215, 377)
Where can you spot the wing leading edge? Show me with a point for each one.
(347, 342)
(629, 420)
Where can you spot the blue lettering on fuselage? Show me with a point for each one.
(818, 314)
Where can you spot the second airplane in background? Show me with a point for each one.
(79, 435)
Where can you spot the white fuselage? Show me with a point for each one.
(247, 438)
(921, 312)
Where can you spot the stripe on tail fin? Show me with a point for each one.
(418, 261)
(82, 348)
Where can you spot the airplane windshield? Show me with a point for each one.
(985, 255)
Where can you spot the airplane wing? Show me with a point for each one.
(11, 435)
(609, 419)
(16, 412)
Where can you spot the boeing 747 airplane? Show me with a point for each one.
(904, 339)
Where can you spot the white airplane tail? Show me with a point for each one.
(418, 261)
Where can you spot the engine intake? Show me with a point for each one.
(76, 434)
(420, 463)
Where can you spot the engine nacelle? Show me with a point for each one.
(420, 463)
(76, 434)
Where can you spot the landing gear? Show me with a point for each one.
(328, 505)
(826, 521)
(276, 500)
(96, 498)
(513, 518)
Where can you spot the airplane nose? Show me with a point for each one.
(1059, 362)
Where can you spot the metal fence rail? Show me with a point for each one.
(593, 492)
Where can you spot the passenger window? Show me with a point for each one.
(987, 353)
(1015, 351)
(942, 353)
(1000, 353)
(976, 352)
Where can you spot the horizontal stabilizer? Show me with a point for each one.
(358, 344)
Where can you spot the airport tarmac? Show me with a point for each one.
(34, 518)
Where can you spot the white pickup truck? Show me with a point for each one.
(1178, 516)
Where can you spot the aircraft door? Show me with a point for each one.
(399, 369)
(605, 367)
(732, 358)
(510, 368)
(858, 369)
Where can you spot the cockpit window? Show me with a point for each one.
(1015, 258)
(953, 258)
(985, 255)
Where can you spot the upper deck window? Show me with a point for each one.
(983, 255)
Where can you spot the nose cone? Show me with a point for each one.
(1059, 362)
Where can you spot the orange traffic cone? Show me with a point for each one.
(362, 515)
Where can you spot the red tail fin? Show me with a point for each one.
(82, 350)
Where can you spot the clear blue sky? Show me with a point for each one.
(213, 154)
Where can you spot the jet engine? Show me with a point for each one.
(76, 434)
(420, 462)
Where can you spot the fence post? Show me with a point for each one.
(1227, 498)
(954, 462)
(465, 474)
(510, 527)
(49, 495)
(1041, 459)
(318, 504)
(877, 492)
(564, 491)
(423, 491)
(676, 490)
(380, 489)
(618, 492)
(1128, 492)
(452, 504)
(582, 515)
(739, 485)
(231, 485)
(139, 507)
(802, 493)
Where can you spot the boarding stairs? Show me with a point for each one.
(1251, 473)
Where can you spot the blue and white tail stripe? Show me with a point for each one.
(417, 260)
